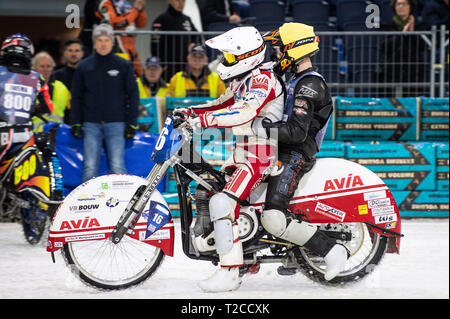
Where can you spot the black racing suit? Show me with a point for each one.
(297, 146)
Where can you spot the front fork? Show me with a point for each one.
(140, 198)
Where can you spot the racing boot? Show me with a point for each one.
(335, 260)
(227, 278)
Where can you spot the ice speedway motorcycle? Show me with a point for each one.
(31, 184)
(115, 230)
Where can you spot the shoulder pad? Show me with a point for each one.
(311, 87)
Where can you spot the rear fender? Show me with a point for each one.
(92, 210)
(340, 191)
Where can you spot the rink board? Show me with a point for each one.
(371, 119)
(434, 119)
(402, 166)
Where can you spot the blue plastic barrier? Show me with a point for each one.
(70, 153)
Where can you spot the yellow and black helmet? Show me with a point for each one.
(291, 43)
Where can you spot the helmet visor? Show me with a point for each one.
(230, 58)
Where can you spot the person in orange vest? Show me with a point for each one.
(121, 15)
(196, 80)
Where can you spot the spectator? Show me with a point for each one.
(151, 84)
(105, 101)
(196, 80)
(44, 64)
(435, 12)
(401, 58)
(219, 11)
(125, 17)
(172, 49)
(73, 53)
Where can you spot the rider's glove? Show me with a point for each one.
(194, 123)
(76, 131)
(267, 124)
(183, 112)
(130, 131)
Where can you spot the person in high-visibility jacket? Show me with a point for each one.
(151, 83)
(196, 80)
(44, 64)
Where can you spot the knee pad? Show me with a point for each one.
(221, 211)
(220, 206)
(274, 221)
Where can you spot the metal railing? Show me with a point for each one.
(359, 63)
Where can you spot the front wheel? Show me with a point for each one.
(108, 266)
(366, 250)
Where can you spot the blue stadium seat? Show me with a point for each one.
(386, 11)
(350, 11)
(268, 25)
(220, 26)
(310, 10)
(267, 10)
(318, 25)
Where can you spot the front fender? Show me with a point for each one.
(92, 210)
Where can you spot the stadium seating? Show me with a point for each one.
(350, 11)
(310, 10)
(386, 12)
(268, 25)
(267, 10)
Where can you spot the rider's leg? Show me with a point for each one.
(277, 221)
(224, 210)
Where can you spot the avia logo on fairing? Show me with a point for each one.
(343, 182)
(87, 222)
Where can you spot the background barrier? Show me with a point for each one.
(406, 145)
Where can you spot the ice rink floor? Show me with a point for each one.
(421, 271)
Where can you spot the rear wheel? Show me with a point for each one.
(109, 266)
(366, 250)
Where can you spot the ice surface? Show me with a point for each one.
(420, 271)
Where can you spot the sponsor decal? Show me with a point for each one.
(83, 208)
(374, 195)
(112, 202)
(85, 198)
(385, 219)
(379, 202)
(330, 211)
(260, 82)
(306, 91)
(349, 181)
(362, 209)
(158, 235)
(101, 195)
(121, 184)
(87, 222)
(85, 237)
(383, 210)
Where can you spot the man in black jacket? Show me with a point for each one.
(105, 100)
(219, 11)
(173, 49)
(309, 107)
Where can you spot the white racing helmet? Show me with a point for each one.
(243, 50)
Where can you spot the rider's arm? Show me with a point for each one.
(44, 102)
(226, 99)
(259, 90)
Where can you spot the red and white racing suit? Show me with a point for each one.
(244, 104)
